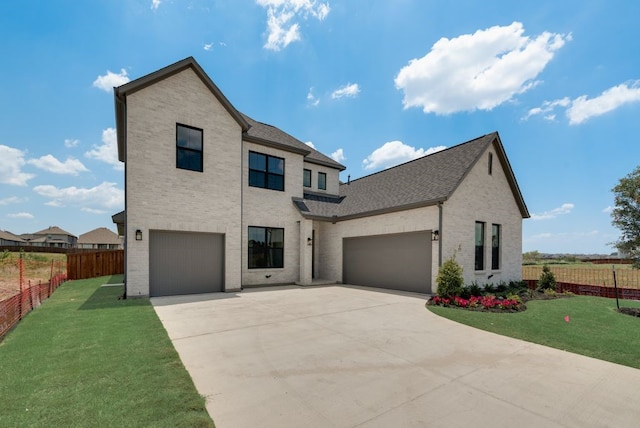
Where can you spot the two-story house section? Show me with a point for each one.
(216, 201)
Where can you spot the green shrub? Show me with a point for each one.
(547, 279)
(474, 289)
(450, 279)
(514, 297)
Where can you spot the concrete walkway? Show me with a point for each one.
(341, 356)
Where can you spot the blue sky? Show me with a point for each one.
(372, 83)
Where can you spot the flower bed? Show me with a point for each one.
(481, 303)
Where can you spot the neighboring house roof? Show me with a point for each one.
(101, 235)
(269, 135)
(8, 236)
(53, 230)
(253, 131)
(422, 182)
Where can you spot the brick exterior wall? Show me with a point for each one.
(486, 198)
(160, 196)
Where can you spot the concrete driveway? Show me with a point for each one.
(342, 356)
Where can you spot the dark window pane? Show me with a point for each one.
(495, 246)
(276, 182)
(266, 247)
(322, 181)
(276, 165)
(182, 136)
(479, 262)
(306, 178)
(257, 161)
(257, 179)
(189, 159)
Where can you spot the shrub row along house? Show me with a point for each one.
(217, 201)
(55, 237)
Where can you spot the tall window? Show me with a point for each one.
(479, 245)
(266, 247)
(306, 177)
(495, 246)
(188, 148)
(266, 171)
(490, 163)
(322, 181)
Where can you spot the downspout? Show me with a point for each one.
(440, 207)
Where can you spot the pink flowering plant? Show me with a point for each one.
(488, 302)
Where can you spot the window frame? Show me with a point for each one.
(185, 149)
(479, 262)
(496, 238)
(490, 163)
(306, 173)
(323, 181)
(268, 252)
(266, 174)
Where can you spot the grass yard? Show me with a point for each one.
(85, 358)
(594, 329)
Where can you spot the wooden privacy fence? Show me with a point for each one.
(94, 264)
(625, 277)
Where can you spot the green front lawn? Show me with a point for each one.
(85, 358)
(594, 329)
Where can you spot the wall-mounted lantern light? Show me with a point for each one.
(309, 241)
(435, 235)
(138, 235)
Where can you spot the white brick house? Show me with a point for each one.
(216, 201)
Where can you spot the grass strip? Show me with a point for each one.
(85, 358)
(594, 327)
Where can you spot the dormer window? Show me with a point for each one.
(322, 181)
(306, 177)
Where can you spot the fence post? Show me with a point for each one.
(21, 278)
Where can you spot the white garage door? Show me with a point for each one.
(185, 263)
(399, 261)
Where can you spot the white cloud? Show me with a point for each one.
(108, 151)
(111, 80)
(49, 163)
(350, 90)
(583, 109)
(310, 144)
(208, 46)
(12, 200)
(155, 4)
(312, 99)
(561, 210)
(21, 215)
(105, 195)
(69, 143)
(608, 210)
(338, 156)
(92, 210)
(477, 71)
(11, 163)
(283, 16)
(395, 152)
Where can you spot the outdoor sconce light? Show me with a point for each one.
(435, 235)
(309, 241)
(138, 235)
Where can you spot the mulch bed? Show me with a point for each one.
(634, 312)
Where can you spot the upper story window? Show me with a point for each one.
(490, 163)
(188, 148)
(266, 171)
(479, 245)
(306, 177)
(322, 181)
(495, 246)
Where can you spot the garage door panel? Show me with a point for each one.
(397, 261)
(185, 263)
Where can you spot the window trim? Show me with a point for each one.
(188, 149)
(266, 249)
(496, 232)
(479, 259)
(306, 172)
(322, 174)
(266, 173)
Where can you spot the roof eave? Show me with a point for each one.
(273, 144)
(336, 165)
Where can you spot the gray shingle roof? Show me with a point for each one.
(8, 236)
(421, 182)
(53, 230)
(101, 235)
(264, 133)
